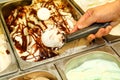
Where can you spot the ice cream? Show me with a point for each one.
(5, 57)
(86, 4)
(43, 14)
(52, 37)
(37, 75)
(40, 78)
(96, 69)
(115, 31)
(31, 27)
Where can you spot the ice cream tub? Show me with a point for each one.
(8, 62)
(92, 65)
(37, 75)
(31, 48)
(45, 72)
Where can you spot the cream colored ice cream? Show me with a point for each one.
(40, 78)
(115, 31)
(86, 4)
(53, 37)
(97, 69)
(43, 14)
(5, 58)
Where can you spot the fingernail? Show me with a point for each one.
(80, 27)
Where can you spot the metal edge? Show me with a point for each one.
(72, 2)
(13, 63)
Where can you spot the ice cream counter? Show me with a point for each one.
(31, 35)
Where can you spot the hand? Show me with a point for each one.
(101, 14)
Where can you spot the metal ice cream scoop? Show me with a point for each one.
(51, 38)
(85, 32)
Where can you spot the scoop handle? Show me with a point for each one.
(85, 32)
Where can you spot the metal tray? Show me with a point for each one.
(45, 70)
(102, 53)
(13, 67)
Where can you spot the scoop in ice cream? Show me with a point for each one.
(43, 14)
(5, 58)
(53, 37)
(97, 69)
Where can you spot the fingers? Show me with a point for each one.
(86, 20)
(101, 32)
(107, 30)
(75, 29)
(91, 37)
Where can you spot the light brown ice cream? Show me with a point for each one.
(36, 75)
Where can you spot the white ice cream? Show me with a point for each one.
(86, 4)
(43, 14)
(115, 31)
(53, 37)
(97, 69)
(5, 59)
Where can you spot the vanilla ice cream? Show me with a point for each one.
(5, 58)
(115, 31)
(43, 14)
(96, 69)
(53, 37)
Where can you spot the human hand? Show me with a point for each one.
(101, 14)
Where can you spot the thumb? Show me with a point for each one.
(87, 19)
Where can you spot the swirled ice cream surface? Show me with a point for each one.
(97, 69)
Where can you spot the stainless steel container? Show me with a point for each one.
(13, 66)
(7, 8)
(73, 61)
(48, 70)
